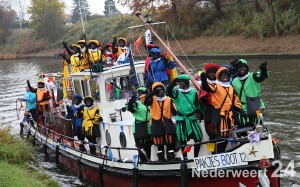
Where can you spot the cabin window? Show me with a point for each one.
(118, 87)
(94, 90)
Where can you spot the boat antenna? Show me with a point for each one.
(148, 25)
(81, 17)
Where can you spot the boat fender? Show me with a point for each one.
(57, 154)
(183, 175)
(135, 177)
(101, 184)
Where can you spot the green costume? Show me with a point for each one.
(249, 86)
(141, 112)
(187, 105)
(141, 127)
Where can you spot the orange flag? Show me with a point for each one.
(138, 43)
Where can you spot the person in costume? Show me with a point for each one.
(76, 59)
(141, 127)
(247, 86)
(157, 68)
(224, 101)
(187, 105)
(73, 111)
(95, 53)
(163, 129)
(30, 99)
(90, 124)
(121, 47)
(205, 100)
(85, 53)
(96, 57)
(42, 95)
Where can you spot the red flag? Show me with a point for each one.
(138, 43)
(108, 88)
(187, 149)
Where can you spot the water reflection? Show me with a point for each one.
(281, 93)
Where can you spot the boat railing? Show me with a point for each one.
(47, 132)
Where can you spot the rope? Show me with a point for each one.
(181, 48)
(18, 110)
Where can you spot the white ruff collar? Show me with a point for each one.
(42, 88)
(245, 76)
(76, 54)
(156, 60)
(224, 84)
(94, 50)
(211, 81)
(161, 98)
(77, 106)
(89, 108)
(185, 90)
(83, 49)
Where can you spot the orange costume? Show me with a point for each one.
(224, 99)
(162, 127)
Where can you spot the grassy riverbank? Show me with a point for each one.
(24, 43)
(16, 158)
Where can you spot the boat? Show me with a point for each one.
(116, 162)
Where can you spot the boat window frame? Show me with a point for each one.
(139, 75)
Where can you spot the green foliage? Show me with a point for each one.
(21, 176)
(109, 7)
(51, 19)
(12, 150)
(6, 19)
(260, 27)
(38, 9)
(15, 170)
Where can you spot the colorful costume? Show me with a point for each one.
(30, 99)
(141, 127)
(248, 88)
(224, 99)
(186, 101)
(90, 124)
(157, 68)
(205, 99)
(163, 129)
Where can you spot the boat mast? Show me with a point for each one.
(195, 83)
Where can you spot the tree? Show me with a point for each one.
(7, 16)
(109, 7)
(218, 8)
(38, 9)
(83, 6)
(53, 20)
(270, 4)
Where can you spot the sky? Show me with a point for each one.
(96, 6)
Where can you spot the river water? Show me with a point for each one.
(281, 93)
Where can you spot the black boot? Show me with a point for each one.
(82, 148)
(92, 150)
(142, 156)
(170, 155)
(148, 151)
(161, 153)
(196, 150)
